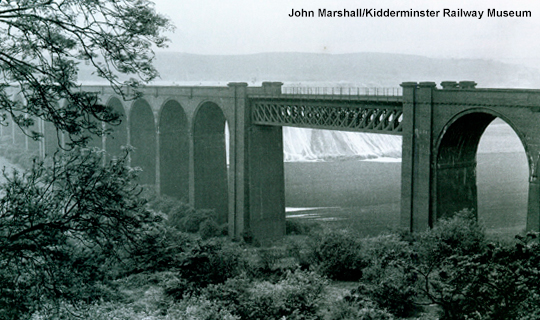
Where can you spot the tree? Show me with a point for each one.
(62, 223)
(63, 227)
(43, 41)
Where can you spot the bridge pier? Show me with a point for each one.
(533, 209)
(266, 183)
(417, 171)
(257, 206)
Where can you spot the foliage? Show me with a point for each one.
(193, 221)
(17, 155)
(296, 296)
(63, 226)
(200, 308)
(66, 225)
(301, 249)
(184, 217)
(347, 309)
(209, 229)
(41, 43)
(464, 277)
(205, 262)
(190, 308)
(460, 234)
(454, 267)
(337, 255)
(389, 279)
(299, 227)
(500, 282)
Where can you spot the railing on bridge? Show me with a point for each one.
(333, 93)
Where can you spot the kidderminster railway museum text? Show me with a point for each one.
(387, 13)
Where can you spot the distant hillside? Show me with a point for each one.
(357, 69)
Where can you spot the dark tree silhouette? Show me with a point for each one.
(43, 41)
(66, 223)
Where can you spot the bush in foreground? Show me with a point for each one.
(337, 254)
(452, 267)
(296, 296)
(63, 228)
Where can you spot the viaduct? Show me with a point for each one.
(179, 138)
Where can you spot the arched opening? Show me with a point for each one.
(174, 151)
(344, 179)
(118, 137)
(473, 175)
(502, 180)
(210, 172)
(143, 139)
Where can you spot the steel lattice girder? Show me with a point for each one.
(347, 115)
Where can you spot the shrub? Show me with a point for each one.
(467, 277)
(144, 291)
(337, 255)
(209, 229)
(346, 309)
(193, 219)
(301, 250)
(204, 262)
(396, 292)
(183, 216)
(389, 278)
(460, 234)
(162, 249)
(189, 308)
(499, 283)
(199, 308)
(300, 227)
(296, 296)
(65, 225)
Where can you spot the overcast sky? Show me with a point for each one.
(254, 26)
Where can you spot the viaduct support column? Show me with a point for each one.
(417, 174)
(238, 221)
(257, 179)
(533, 210)
(266, 178)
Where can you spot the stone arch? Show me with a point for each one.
(174, 151)
(455, 180)
(210, 166)
(118, 137)
(143, 138)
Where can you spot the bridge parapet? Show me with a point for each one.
(337, 93)
(488, 97)
(343, 91)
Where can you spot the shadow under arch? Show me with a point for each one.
(118, 137)
(209, 156)
(456, 161)
(174, 151)
(143, 139)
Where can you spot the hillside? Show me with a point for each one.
(357, 69)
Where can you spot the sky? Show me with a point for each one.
(229, 27)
